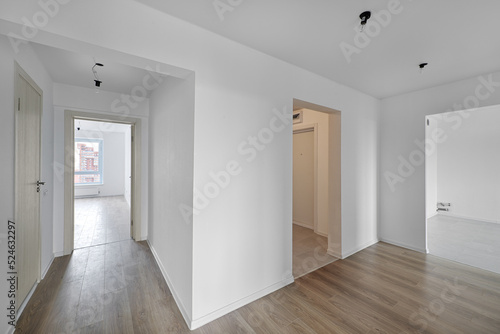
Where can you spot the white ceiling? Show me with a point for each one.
(76, 69)
(459, 38)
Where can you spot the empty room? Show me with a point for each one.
(266, 167)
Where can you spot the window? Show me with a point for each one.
(88, 161)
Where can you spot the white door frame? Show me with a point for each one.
(69, 182)
(314, 128)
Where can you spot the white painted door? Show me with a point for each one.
(303, 178)
(27, 198)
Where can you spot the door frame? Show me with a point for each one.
(69, 182)
(314, 128)
(19, 71)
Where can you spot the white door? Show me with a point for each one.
(28, 110)
(303, 178)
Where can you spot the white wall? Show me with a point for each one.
(86, 100)
(113, 162)
(242, 241)
(311, 117)
(402, 209)
(171, 185)
(468, 164)
(30, 63)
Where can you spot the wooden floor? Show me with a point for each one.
(309, 251)
(467, 241)
(118, 288)
(101, 220)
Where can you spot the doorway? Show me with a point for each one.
(316, 187)
(129, 225)
(28, 186)
(462, 187)
(102, 183)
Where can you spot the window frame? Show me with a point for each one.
(101, 162)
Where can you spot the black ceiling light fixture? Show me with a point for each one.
(97, 81)
(365, 16)
(422, 67)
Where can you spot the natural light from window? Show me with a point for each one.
(88, 161)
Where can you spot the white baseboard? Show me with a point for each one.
(433, 215)
(48, 267)
(334, 253)
(400, 244)
(59, 254)
(25, 302)
(181, 307)
(194, 324)
(448, 214)
(322, 234)
(303, 225)
(358, 248)
(236, 305)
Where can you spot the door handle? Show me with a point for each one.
(38, 184)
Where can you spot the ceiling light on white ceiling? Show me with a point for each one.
(422, 67)
(97, 81)
(365, 16)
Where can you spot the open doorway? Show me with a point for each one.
(102, 177)
(462, 187)
(316, 187)
(130, 129)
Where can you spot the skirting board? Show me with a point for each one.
(446, 214)
(400, 244)
(303, 225)
(334, 253)
(25, 302)
(10, 330)
(433, 215)
(48, 267)
(181, 307)
(236, 305)
(58, 254)
(194, 324)
(311, 228)
(359, 248)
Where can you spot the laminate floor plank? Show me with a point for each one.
(119, 288)
(101, 220)
(309, 251)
